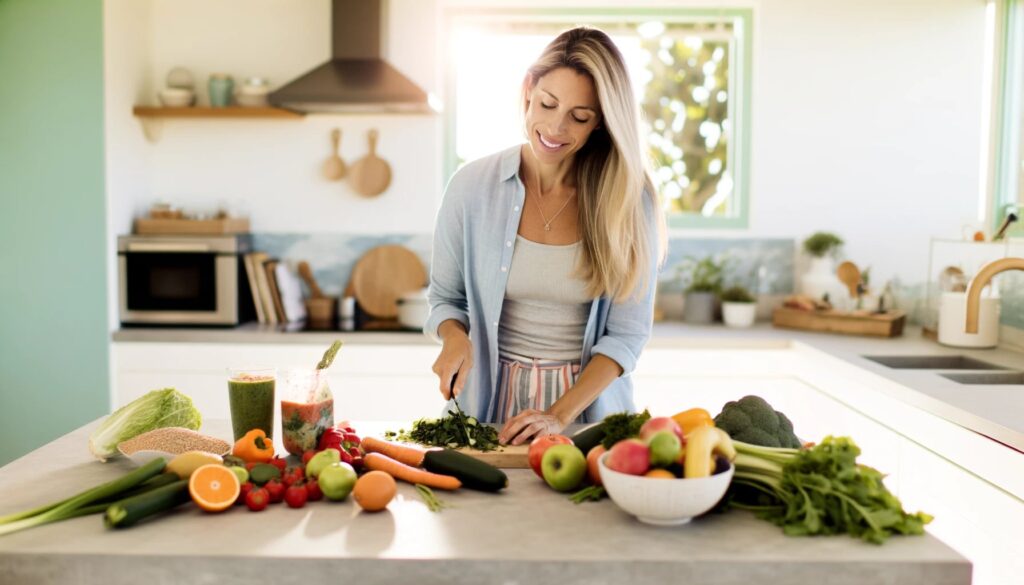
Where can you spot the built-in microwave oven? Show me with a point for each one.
(184, 280)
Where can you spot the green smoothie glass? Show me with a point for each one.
(251, 393)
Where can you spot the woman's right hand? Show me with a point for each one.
(456, 359)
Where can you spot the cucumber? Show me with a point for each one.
(589, 437)
(128, 511)
(473, 473)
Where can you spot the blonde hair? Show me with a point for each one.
(612, 169)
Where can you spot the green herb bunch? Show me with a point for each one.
(821, 490)
(622, 425)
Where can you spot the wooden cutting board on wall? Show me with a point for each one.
(383, 275)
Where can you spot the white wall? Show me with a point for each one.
(866, 120)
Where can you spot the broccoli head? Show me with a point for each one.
(752, 420)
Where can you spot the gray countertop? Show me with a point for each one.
(527, 534)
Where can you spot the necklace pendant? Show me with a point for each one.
(547, 228)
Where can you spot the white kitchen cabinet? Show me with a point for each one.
(981, 521)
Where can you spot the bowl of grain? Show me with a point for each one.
(169, 442)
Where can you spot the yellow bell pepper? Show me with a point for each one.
(694, 418)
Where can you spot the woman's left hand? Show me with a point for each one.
(527, 425)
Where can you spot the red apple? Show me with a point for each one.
(661, 423)
(630, 456)
(593, 472)
(539, 446)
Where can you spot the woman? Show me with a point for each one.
(545, 254)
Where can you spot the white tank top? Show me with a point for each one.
(546, 306)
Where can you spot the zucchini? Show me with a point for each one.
(589, 437)
(473, 473)
(128, 511)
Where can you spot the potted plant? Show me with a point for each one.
(820, 279)
(738, 307)
(702, 282)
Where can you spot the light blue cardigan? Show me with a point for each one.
(473, 243)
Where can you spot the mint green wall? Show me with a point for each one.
(53, 310)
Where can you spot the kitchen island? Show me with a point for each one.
(526, 534)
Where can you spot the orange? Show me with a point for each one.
(660, 474)
(374, 491)
(213, 487)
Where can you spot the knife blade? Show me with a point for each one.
(461, 415)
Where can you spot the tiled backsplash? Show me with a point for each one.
(763, 265)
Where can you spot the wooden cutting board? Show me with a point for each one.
(370, 175)
(383, 275)
(505, 457)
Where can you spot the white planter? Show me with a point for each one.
(821, 278)
(739, 314)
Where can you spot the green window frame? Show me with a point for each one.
(740, 86)
(1006, 166)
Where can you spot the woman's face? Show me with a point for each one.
(561, 113)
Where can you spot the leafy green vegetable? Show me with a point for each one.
(453, 431)
(622, 425)
(155, 410)
(821, 490)
(752, 420)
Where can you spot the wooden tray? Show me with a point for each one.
(231, 225)
(888, 324)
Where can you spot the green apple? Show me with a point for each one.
(337, 480)
(665, 446)
(322, 460)
(563, 467)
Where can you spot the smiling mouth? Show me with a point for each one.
(549, 145)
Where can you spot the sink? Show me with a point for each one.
(932, 362)
(986, 377)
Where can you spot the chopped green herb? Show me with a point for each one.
(453, 431)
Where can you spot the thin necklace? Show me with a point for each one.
(548, 222)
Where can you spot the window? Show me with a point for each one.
(1006, 191)
(690, 71)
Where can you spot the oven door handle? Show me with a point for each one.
(197, 247)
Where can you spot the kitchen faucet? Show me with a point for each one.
(980, 280)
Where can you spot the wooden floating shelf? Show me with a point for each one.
(208, 112)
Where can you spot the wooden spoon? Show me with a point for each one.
(849, 274)
(334, 167)
(307, 275)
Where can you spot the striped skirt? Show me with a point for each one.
(530, 383)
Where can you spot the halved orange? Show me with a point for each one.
(213, 487)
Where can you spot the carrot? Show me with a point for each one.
(399, 470)
(408, 454)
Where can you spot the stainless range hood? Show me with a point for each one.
(356, 79)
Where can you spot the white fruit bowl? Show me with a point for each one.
(663, 502)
